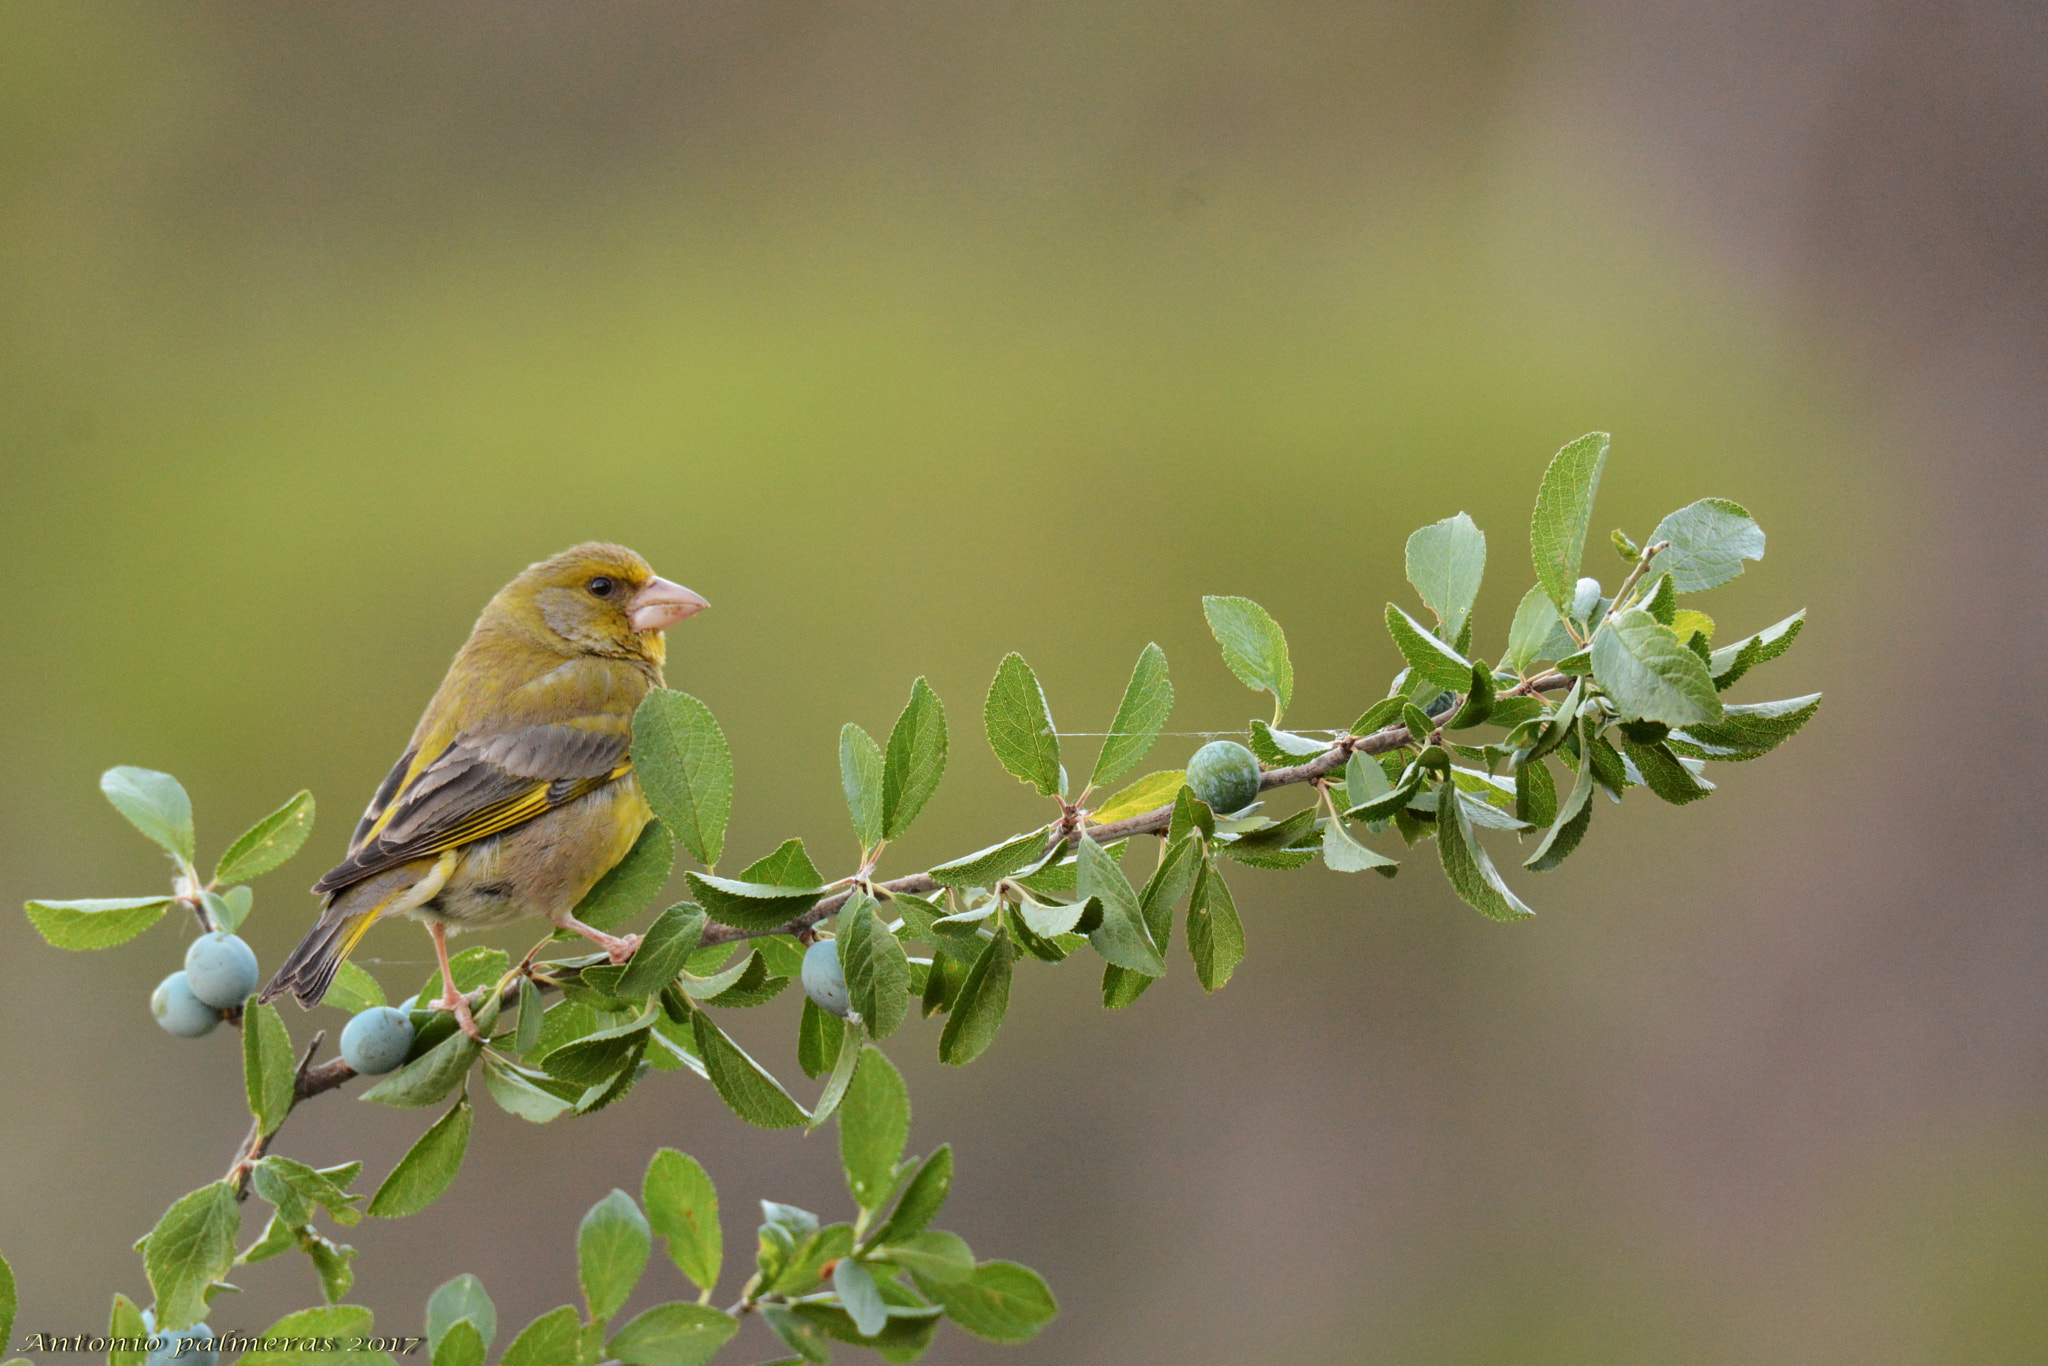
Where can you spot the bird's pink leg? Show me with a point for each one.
(618, 950)
(451, 999)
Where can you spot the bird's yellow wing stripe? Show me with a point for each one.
(502, 816)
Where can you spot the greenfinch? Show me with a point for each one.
(517, 792)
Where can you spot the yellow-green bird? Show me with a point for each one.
(517, 792)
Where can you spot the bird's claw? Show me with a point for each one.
(459, 1005)
(619, 950)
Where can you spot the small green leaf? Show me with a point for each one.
(843, 1065)
(1381, 714)
(1664, 775)
(750, 905)
(1254, 647)
(1747, 730)
(1190, 814)
(1148, 793)
(429, 1168)
(268, 1067)
(978, 1011)
(1445, 563)
(95, 924)
(335, 1323)
(553, 1339)
(1731, 662)
(1564, 510)
(1428, 656)
(682, 1206)
(1215, 934)
(1122, 938)
(742, 1083)
(819, 1036)
(1535, 793)
(916, 759)
(154, 803)
(190, 1248)
(939, 1257)
(923, 1196)
(855, 1286)
(669, 941)
(267, 843)
(1537, 633)
(1343, 854)
(1148, 701)
(461, 1345)
(124, 1324)
(1709, 541)
(457, 1300)
(10, 1302)
(1001, 1301)
(674, 1334)
(860, 775)
(524, 1092)
(429, 1077)
(633, 881)
(1019, 725)
(877, 973)
(985, 866)
(685, 768)
(1660, 600)
(1470, 871)
(1650, 674)
(788, 866)
(353, 990)
(1478, 704)
(874, 1124)
(612, 1244)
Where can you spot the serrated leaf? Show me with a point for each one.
(1019, 726)
(456, 1300)
(820, 1034)
(268, 843)
(353, 990)
(1343, 854)
(553, 1339)
(1190, 813)
(877, 973)
(632, 882)
(1535, 793)
(685, 769)
(1685, 623)
(1148, 793)
(330, 1326)
(125, 1323)
(1147, 702)
(461, 1345)
(428, 1168)
(154, 803)
(1649, 673)
(430, 1076)
(1446, 561)
(1470, 871)
(985, 866)
(268, 1067)
(1478, 704)
(874, 1124)
(668, 942)
(744, 1085)
(860, 777)
(788, 866)
(1564, 510)
(1254, 647)
(612, 1245)
(1283, 748)
(682, 1206)
(916, 759)
(1664, 775)
(1731, 662)
(190, 1248)
(1122, 938)
(843, 1065)
(1537, 633)
(749, 905)
(983, 1001)
(923, 1196)
(1215, 934)
(1001, 1301)
(523, 1092)
(1709, 541)
(1429, 657)
(675, 1334)
(100, 923)
(1747, 730)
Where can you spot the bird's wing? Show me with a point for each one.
(476, 787)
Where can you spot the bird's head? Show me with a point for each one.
(597, 599)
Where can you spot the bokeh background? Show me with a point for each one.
(910, 335)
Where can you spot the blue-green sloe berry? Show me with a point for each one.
(376, 1040)
(1224, 774)
(824, 979)
(179, 1011)
(222, 969)
(180, 1347)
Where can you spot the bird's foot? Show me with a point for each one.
(459, 1004)
(616, 949)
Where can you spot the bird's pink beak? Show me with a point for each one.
(660, 604)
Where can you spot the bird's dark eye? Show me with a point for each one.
(602, 586)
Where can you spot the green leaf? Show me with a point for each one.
(1650, 674)
(10, 1302)
(1537, 633)
(923, 1196)
(333, 1324)
(552, 1339)
(353, 990)
(843, 1064)
(1709, 541)
(1381, 714)
(290, 1185)
(796, 1330)
(125, 1322)
(819, 1036)
(1019, 725)
(633, 881)
(874, 1124)
(462, 1298)
(154, 803)
(742, 1083)
(750, 905)
(1664, 775)
(978, 1011)
(1471, 872)
(1478, 704)
(1122, 938)
(1564, 510)
(268, 1067)
(855, 1286)
(1535, 793)
(429, 1168)
(267, 843)
(1283, 748)
(1149, 793)
(860, 775)
(1747, 730)
(1215, 934)
(523, 1092)
(190, 1248)
(675, 1334)
(95, 924)
(1254, 647)
(461, 1345)
(1364, 779)
(685, 769)
(1343, 854)
(1731, 662)
(1001, 1301)
(985, 867)
(939, 1257)
(668, 942)
(1148, 701)
(429, 1077)
(612, 1244)
(916, 759)
(1428, 656)
(788, 866)
(1190, 813)
(598, 1056)
(1445, 563)
(1661, 602)
(877, 973)
(231, 907)
(682, 1206)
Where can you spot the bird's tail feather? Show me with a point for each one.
(310, 969)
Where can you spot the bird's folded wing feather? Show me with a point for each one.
(476, 787)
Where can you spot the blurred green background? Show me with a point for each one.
(912, 335)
